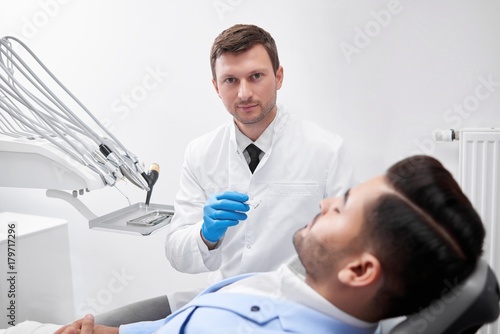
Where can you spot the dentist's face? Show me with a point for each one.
(336, 234)
(247, 85)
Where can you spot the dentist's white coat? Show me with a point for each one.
(304, 164)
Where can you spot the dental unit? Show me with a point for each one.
(50, 140)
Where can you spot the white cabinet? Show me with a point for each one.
(39, 283)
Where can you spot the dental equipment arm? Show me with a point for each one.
(34, 115)
(50, 140)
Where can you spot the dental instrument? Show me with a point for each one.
(152, 177)
(254, 203)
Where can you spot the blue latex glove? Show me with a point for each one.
(222, 211)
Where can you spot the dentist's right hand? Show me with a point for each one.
(222, 211)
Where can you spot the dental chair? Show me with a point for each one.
(463, 310)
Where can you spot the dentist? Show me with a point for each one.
(296, 164)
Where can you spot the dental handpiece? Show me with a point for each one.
(151, 177)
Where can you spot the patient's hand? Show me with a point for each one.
(86, 326)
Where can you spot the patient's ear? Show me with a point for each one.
(361, 271)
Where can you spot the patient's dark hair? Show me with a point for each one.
(426, 235)
(240, 38)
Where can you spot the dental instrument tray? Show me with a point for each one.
(137, 218)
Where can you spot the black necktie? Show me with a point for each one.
(253, 152)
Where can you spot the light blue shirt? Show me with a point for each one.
(239, 306)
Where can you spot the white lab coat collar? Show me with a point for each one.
(265, 140)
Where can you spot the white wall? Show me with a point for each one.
(384, 74)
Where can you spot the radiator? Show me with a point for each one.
(479, 177)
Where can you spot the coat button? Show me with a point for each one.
(255, 309)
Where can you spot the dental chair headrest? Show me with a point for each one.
(463, 310)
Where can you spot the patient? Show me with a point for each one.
(388, 247)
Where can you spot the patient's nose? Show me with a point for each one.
(327, 203)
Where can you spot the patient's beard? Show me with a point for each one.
(318, 260)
